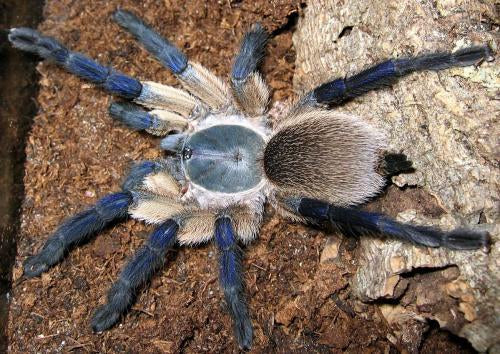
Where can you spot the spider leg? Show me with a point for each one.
(153, 176)
(111, 80)
(167, 53)
(386, 73)
(139, 269)
(249, 90)
(231, 281)
(252, 51)
(246, 222)
(155, 95)
(155, 193)
(149, 94)
(156, 122)
(358, 222)
(194, 77)
(147, 175)
(76, 229)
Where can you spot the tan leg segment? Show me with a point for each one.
(252, 96)
(162, 183)
(206, 86)
(196, 226)
(154, 209)
(164, 97)
(246, 222)
(170, 121)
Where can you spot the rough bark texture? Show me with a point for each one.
(447, 123)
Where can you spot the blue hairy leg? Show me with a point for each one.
(161, 48)
(76, 229)
(135, 117)
(231, 281)
(250, 55)
(356, 221)
(386, 73)
(138, 270)
(111, 80)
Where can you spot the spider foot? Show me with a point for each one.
(104, 317)
(51, 253)
(30, 40)
(120, 297)
(34, 266)
(243, 332)
(463, 239)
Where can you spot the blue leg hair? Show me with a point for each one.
(231, 281)
(113, 81)
(387, 72)
(251, 53)
(353, 221)
(138, 270)
(135, 117)
(162, 49)
(76, 229)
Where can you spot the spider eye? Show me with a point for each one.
(186, 153)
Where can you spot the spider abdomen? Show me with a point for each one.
(223, 158)
(325, 155)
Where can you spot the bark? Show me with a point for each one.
(447, 124)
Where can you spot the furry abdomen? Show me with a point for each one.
(325, 155)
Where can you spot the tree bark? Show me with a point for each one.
(446, 122)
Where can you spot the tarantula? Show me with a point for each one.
(223, 161)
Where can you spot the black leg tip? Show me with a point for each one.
(124, 17)
(489, 54)
(23, 37)
(463, 239)
(244, 335)
(34, 266)
(104, 318)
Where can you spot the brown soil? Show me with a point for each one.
(75, 154)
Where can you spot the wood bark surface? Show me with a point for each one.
(447, 124)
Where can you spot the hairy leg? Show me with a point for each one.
(77, 229)
(195, 78)
(149, 94)
(231, 281)
(386, 73)
(111, 80)
(156, 122)
(80, 227)
(356, 221)
(249, 90)
(138, 270)
(164, 97)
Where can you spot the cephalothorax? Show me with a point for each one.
(224, 161)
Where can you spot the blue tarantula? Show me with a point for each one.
(224, 161)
